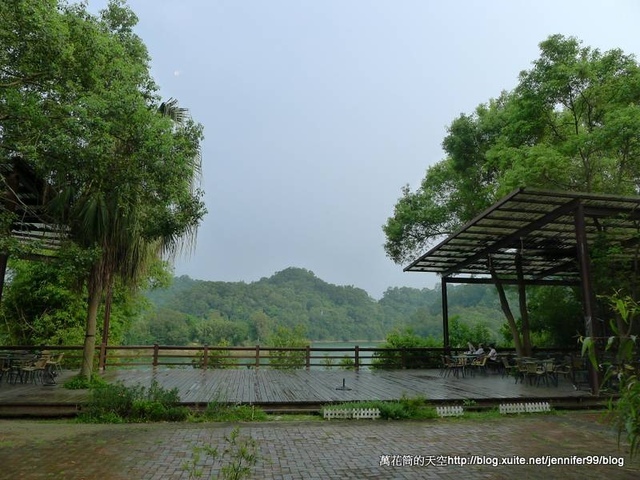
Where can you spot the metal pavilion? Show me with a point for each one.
(535, 237)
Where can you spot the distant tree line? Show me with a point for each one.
(203, 312)
(43, 303)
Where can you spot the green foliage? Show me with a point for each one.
(288, 338)
(223, 412)
(625, 412)
(195, 466)
(403, 409)
(243, 313)
(460, 334)
(397, 357)
(565, 126)
(117, 403)
(120, 166)
(80, 382)
(324, 310)
(555, 314)
(44, 302)
(215, 358)
(215, 330)
(238, 457)
(568, 125)
(347, 363)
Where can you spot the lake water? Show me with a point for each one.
(334, 357)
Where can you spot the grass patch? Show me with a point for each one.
(80, 382)
(403, 409)
(221, 412)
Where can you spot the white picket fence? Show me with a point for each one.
(450, 411)
(506, 408)
(357, 413)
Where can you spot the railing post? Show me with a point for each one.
(205, 357)
(356, 358)
(257, 356)
(308, 352)
(156, 350)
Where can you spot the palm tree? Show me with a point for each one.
(130, 270)
(139, 208)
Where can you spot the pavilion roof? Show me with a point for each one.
(540, 226)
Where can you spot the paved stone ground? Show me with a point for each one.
(356, 449)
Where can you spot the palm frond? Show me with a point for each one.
(171, 109)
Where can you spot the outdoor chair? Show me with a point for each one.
(579, 372)
(444, 366)
(33, 371)
(521, 370)
(534, 370)
(479, 364)
(57, 363)
(451, 366)
(550, 372)
(563, 369)
(508, 369)
(16, 371)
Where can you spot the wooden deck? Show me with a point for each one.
(278, 388)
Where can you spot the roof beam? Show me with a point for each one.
(508, 240)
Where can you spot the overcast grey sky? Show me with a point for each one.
(316, 113)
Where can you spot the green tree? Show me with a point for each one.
(284, 337)
(122, 170)
(45, 301)
(402, 350)
(569, 124)
(216, 329)
(556, 316)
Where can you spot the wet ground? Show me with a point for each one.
(360, 449)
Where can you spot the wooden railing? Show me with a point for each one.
(257, 356)
(272, 357)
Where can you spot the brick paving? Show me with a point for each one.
(355, 449)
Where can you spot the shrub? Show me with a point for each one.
(115, 403)
(215, 358)
(347, 363)
(405, 350)
(80, 382)
(285, 337)
(405, 408)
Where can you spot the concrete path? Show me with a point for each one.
(357, 449)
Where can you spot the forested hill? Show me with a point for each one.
(210, 312)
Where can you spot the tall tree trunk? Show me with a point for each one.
(511, 321)
(107, 319)
(524, 313)
(95, 294)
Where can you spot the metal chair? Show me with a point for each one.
(535, 370)
(479, 364)
(33, 371)
(57, 362)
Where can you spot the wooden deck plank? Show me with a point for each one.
(268, 386)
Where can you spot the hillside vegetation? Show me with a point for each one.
(237, 313)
